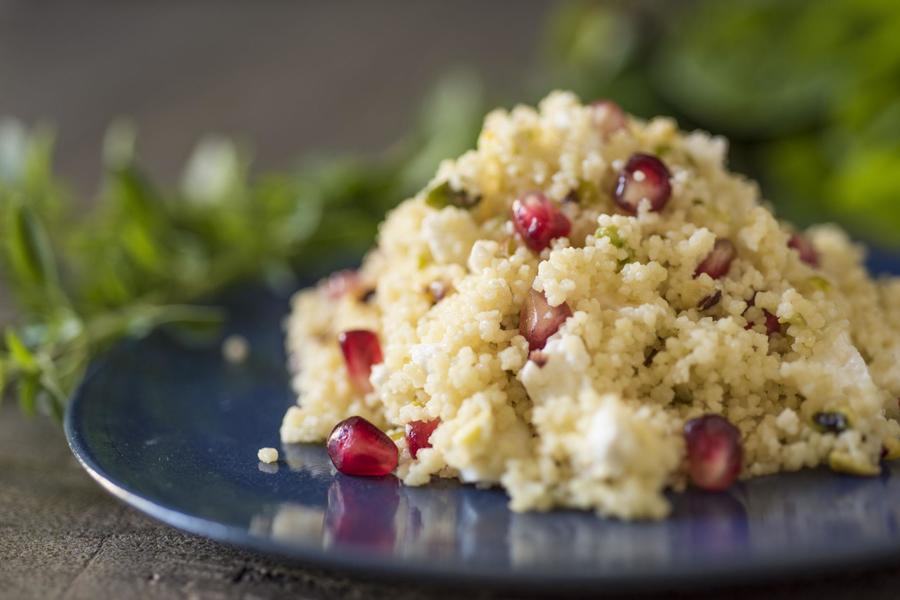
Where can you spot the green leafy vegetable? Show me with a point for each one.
(808, 92)
(148, 255)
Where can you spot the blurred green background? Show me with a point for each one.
(807, 92)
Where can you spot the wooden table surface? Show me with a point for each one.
(63, 536)
(289, 78)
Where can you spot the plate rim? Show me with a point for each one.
(772, 568)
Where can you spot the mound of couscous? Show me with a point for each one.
(588, 309)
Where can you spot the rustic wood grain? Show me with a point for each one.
(62, 536)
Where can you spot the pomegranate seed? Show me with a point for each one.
(361, 350)
(713, 452)
(538, 220)
(357, 447)
(340, 283)
(608, 117)
(718, 261)
(418, 434)
(644, 177)
(709, 301)
(538, 358)
(805, 249)
(773, 325)
(538, 320)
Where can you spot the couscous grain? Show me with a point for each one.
(559, 302)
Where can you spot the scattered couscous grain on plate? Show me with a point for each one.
(588, 309)
(267, 455)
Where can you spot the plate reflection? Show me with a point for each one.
(446, 521)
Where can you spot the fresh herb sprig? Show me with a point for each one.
(145, 255)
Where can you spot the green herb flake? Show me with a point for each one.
(424, 259)
(19, 353)
(443, 195)
(610, 232)
(3, 378)
(27, 391)
(683, 394)
(795, 319)
(820, 283)
(587, 192)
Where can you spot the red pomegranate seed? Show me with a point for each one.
(538, 320)
(773, 325)
(709, 301)
(357, 447)
(718, 261)
(644, 176)
(538, 220)
(713, 452)
(340, 283)
(538, 358)
(361, 350)
(805, 249)
(418, 434)
(608, 116)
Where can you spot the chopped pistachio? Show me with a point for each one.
(843, 462)
(683, 394)
(794, 319)
(610, 232)
(443, 195)
(587, 192)
(819, 283)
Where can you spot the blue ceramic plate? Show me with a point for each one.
(174, 430)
